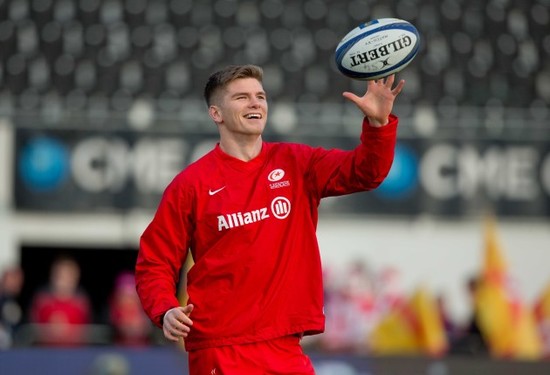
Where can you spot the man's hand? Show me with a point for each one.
(176, 323)
(377, 103)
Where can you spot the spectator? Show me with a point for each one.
(448, 324)
(131, 325)
(470, 340)
(62, 310)
(349, 308)
(390, 294)
(11, 283)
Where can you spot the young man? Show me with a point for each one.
(247, 211)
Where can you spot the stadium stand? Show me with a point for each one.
(92, 55)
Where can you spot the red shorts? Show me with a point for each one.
(281, 356)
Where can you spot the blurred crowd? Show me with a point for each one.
(367, 312)
(61, 314)
(371, 312)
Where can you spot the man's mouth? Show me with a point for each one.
(253, 116)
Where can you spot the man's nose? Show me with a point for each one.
(254, 102)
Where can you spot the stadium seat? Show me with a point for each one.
(471, 53)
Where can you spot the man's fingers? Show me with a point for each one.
(187, 309)
(351, 97)
(179, 327)
(169, 334)
(180, 314)
(174, 333)
(398, 88)
(176, 324)
(181, 324)
(389, 81)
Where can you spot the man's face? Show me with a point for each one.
(241, 109)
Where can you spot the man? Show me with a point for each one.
(247, 211)
(62, 310)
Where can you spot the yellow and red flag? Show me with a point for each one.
(412, 327)
(506, 324)
(395, 333)
(542, 318)
(430, 327)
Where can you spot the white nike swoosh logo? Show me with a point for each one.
(212, 192)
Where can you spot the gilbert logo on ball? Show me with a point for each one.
(377, 49)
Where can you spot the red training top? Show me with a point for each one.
(61, 320)
(251, 228)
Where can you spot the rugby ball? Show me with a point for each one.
(377, 49)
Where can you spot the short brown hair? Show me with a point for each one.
(223, 77)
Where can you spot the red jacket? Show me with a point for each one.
(251, 228)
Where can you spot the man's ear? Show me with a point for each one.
(215, 114)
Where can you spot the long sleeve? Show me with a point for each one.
(163, 250)
(337, 172)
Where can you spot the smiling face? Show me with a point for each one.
(240, 108)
